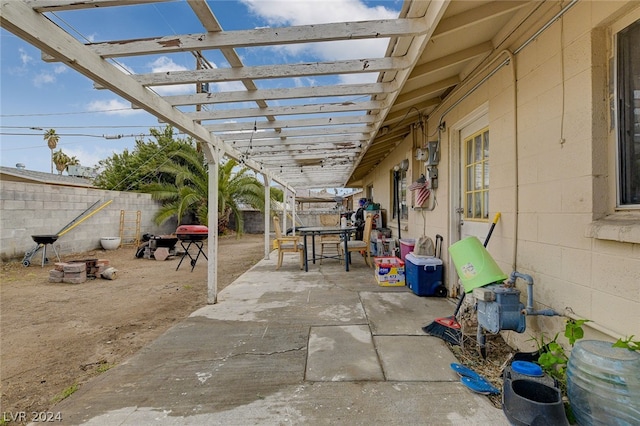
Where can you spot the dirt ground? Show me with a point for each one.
(55, 337)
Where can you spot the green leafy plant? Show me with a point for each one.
(628, 343)
(573, 330)
(553, 359)
(552, 356)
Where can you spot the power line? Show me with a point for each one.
(42, 128)
(79, 134)
(66, 113)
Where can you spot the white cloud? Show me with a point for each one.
(24, 57)
(226, 86)
(46, 77)
(113, 107)
(43, 78)
(165, 64)
(316, 11)
(280, 13)
(358, 78)
(304, 81)
(87, 159)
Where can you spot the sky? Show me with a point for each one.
(94, 124)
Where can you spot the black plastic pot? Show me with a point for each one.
(529, 401)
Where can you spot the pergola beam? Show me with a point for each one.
(260, 37)
(339, 90)
(223, 114)
(291, 124)
(352, 66)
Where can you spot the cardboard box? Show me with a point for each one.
(389, 271)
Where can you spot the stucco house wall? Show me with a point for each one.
(552, 175)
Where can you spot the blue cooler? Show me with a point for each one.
(424, 275)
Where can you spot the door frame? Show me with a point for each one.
(455, 177)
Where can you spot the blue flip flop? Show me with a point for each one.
(464, 371)
(479, 386)
(473, 380)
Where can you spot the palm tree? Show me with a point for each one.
(188, 194)
(63, 161)
(52, 141)
(188, 191)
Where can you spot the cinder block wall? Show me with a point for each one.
(28, 209)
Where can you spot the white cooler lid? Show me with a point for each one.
(423, 260)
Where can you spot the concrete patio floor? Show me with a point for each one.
(292, 347)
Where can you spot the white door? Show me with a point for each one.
(470, 180)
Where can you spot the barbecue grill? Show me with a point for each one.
(44, 240)
(192, 235)
(192, 232)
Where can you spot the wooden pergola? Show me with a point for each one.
(301, 137)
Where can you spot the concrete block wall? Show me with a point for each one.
(37, 209)
(253, 222)
(562, 87)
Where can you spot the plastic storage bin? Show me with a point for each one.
(406, 246)
(529, 401)
(424, 275)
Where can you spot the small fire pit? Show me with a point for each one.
(91, 264)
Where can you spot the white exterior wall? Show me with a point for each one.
(552, 181)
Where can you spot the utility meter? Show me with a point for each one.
(432, 154)
(432, 176)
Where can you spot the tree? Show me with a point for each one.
(175, 173)
(189, 191)
(52, 142)
(63, 161)
(132, 170)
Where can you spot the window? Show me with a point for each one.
(399, 185)
(628, 114)
(476, 173)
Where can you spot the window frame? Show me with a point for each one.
(472, 163)
(623, 113)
